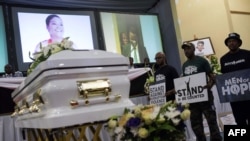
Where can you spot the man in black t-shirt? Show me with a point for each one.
(234, 60)
(165, 73)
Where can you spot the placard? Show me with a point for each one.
(234, 86)
(157, 94)
(190, 88)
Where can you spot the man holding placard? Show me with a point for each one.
(196, 70)
(163, 89)
(236, 61)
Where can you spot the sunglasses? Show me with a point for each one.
(156, 58)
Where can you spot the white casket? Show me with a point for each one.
(73, 87)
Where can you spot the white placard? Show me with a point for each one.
(157, 94)
(190, 88)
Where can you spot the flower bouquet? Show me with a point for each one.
(150, 123)
(215, 64)
(150, 80)
(48, 51)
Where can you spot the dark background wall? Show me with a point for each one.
(169, 37)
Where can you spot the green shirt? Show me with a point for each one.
(196, 65)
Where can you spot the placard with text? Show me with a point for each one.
(189, 89)
(234, 86)
(157, 94)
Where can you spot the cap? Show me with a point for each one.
(233, 36)
(187, 44)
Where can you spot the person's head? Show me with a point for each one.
(8, 69)
(146, 60)
(233, 42)
(200, 45)
(189, 49)
(124, 38)
(160, 59)
(54, 26)
(132, 34)
(131, 61)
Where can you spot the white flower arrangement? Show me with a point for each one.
(47, 51)
(150, 123)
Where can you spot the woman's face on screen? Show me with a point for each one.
(55, 27)
(124, 38)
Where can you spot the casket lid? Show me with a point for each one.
(67, 59)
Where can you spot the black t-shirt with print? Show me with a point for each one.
(196, 65)
(167, 73)
(234, 62)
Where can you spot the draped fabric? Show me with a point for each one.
(8, 132)
(117, 5)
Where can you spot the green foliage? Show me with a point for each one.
(216, 68)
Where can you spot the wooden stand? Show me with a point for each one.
(73, 133)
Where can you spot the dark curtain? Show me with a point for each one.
(117, 5)
(6, 102)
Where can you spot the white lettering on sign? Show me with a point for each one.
(235, 80)
(235, 86)
(236, 89)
